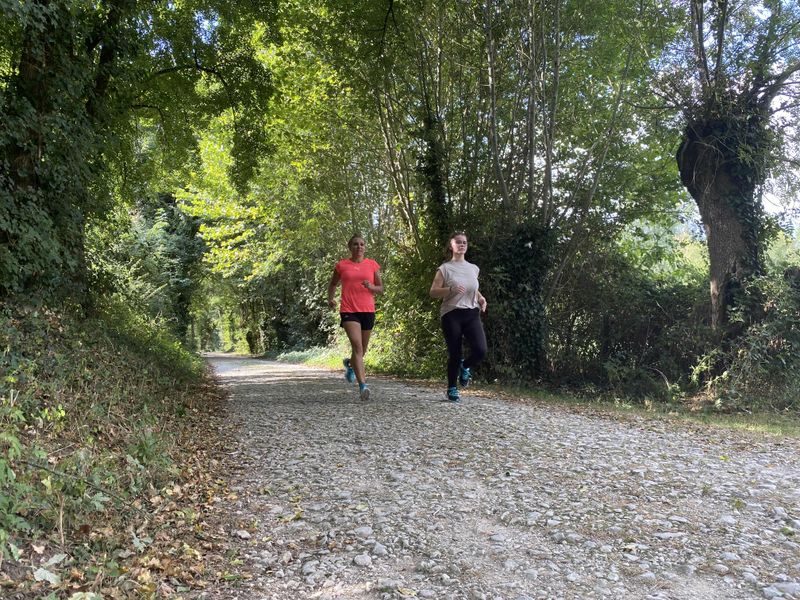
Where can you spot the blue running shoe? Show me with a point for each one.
(349, 373)
(453, 395)
(363, 391)
(464, 375)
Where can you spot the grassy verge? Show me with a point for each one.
(104, 479)
(329, 358)
(785, 424)
(771, 423)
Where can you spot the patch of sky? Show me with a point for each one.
(761, 12)
(207, 24)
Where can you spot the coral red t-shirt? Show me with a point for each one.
(355, 297)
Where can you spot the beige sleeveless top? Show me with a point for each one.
(457, 273)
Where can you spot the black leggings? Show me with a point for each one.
(466, 323)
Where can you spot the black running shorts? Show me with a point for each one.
(367, 319)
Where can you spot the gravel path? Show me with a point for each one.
(404, 496)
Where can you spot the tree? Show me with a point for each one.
(87, 88)
(744, 62)
(272, 248)
(521, 120)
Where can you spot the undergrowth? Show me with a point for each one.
(92, 415)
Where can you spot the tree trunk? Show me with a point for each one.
(714, 168)
(432, 170)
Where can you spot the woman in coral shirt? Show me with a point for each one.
(361, 280)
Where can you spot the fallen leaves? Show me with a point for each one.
(178, 541)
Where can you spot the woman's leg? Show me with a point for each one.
(476, 339)
(365, 334)
(451, 327)
(354, 334)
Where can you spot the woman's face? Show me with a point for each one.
(357, 247)
(458, 244)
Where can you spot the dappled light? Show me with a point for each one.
(261, 184)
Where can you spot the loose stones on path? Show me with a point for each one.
(406, 497)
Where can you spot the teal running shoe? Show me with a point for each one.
(464, 375)
(349, 373)
(363, 391)
(453, 395)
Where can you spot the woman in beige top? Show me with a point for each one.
(456, 283)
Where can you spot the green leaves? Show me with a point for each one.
(98, 102)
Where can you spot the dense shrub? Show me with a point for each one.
(281, 312)
(148, 258)
(407, 338)
(759, 369)
(513, 266)
(618, 327)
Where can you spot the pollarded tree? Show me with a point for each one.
(745, 65)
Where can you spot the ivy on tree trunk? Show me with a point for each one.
(740, 64)
(721, 164)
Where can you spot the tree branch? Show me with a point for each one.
(764, 52)
(389, 13)
(104, 37)
(696, 21)
(490, 71)
(769, 92)
(158, 109)
(722, 18)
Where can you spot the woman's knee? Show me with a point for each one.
(478, 354)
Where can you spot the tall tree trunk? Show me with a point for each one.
(491, 59)
(432, 170)
(713, 165)
(728, 141)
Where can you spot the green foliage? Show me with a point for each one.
(407, 339)
(758, 371)
(46, 146)
(103, 388)
(513, 271)
(271, 251)
(631, 322)
(13, 500)
(782, 253)
(96, 102)
(285, 311)
(149, 259)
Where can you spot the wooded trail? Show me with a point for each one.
(405, 496)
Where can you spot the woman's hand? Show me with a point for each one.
(331, 303)
(376, 286)
(482, 303)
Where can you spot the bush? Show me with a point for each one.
(759, 369)
(407, 340)
(512, 279)
(619, 327)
